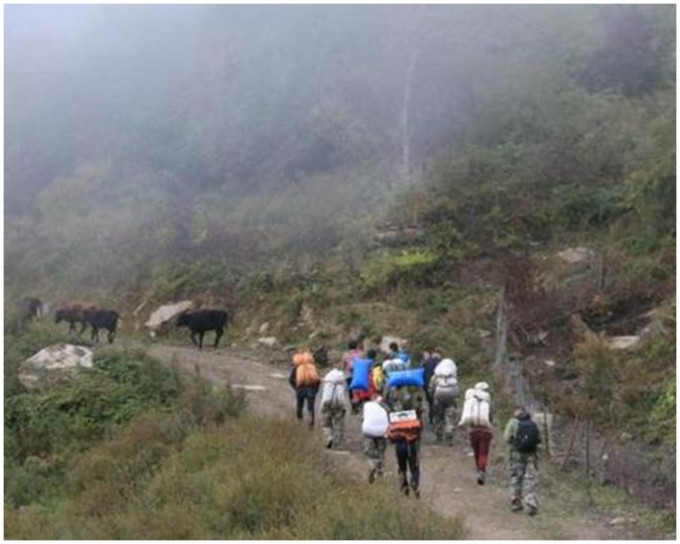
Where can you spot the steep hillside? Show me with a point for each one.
(497, 181)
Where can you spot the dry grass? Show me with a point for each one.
(248, 478)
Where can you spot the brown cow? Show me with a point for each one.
(74, 312)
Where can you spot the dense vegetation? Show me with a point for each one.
(261, 153)
(134, 450)
(252, 156)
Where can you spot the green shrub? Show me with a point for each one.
(73, 416)
(661, 426)
(249, 478)
(413, 267)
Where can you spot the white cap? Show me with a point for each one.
(482, 386)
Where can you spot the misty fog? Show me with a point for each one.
(238, 97)
(134, 133)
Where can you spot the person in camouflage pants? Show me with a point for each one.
(444, 420)
(523, 469)
(524, 481)
(374, 450)
(333, 424)
(443, 388)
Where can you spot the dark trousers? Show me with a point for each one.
(480, 440)
(407, 457)
(301, 394)
(430, 407)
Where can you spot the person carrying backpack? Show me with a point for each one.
(334, 406)
(404, 432)
(304, 378)
(523, 437)
(348, 359)
(374, 424)
(430, 362)
(392, 364)
(443, 388)
(399, 353)
(359, 396)
(478, 416)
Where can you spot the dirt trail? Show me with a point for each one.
(448, 477)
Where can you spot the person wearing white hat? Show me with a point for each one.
(443, 388)
(477, 416)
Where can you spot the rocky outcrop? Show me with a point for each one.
(163, 315)
(53, 364)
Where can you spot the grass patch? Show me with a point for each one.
(44, 430)
(574, 493)
(248, 478)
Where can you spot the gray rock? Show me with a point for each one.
(621, 521)
(575, 255)
(166, 313)
(53, 364)
(623, 342)
(248, 387)
(269, 341)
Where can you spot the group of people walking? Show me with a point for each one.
(392, 397)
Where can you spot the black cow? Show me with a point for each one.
(73, 312)
(32, 308)
(101, 319)
(200, 321)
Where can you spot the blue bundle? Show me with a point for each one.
(361, 374)
(415, 377)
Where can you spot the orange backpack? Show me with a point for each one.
(306, 374)
(404, 425)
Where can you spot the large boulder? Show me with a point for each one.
(165, 314)
(53, 364)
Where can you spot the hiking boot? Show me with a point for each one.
(532, 510)
(481, 477)
(416, 492)
(516, 506)
(371, 477)
(405, 488)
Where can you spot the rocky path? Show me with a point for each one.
(448, 477)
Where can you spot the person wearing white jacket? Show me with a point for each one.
(477, 417)
(443, 388)
(334, 407)
(374, 424)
